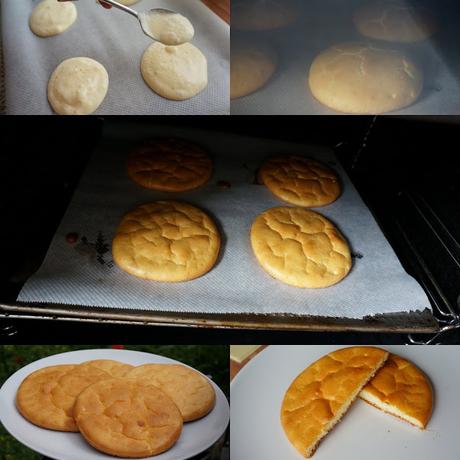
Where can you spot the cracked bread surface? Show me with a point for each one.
(300, 247)
(395, 21)
(166, 241)
(361, 78)
(170, 165)
(47, 397)
(300, 181)
(400, 388)
(112, 367)
(125, 418)
(37, 399)
(321, 394)
(192, 393)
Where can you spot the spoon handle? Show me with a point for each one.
(122, 7)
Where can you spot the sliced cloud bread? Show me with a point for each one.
(401, 389)
(321, 394)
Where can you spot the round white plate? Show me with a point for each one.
(365, 432)
(196, 436)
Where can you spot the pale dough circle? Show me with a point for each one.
(360, 78)
(51, 17)
(300, 247)
(395, 21)
(170, 165)
(168, 28)
(77, 86)
(252, 66)
(166, 241)
(264, 16)
(125, 418)
(175, 72)
(191, 392)
(128, 2)
(300, 181)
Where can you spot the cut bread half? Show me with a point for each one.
(401, 389)
(321, 395)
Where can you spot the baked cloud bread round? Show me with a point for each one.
(169, 165)
(166, 241)
(47, 396)
(125, 418)
(300, 247)
(361, 78)
(400, 388)
(252, 67)
(321, 394)
(300, 181)
(50, 17)
(395, 21)
(192, 393)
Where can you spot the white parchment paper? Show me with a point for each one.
(84, 274)
(116, 40)
(324, 23)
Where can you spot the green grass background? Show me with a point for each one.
(209, 359)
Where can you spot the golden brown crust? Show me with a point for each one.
(362, 78)
(300, 247)
(405, 388)
(113, 368)
(193, 394)
(252, 66)
(274, 14)
(166, 241)
(52, 392)
(394, 21)
(170, 165)
(39, 401)
(125, 418)
(300, 181)
(318, 398)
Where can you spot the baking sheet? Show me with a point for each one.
(84, 274)
(287, 93)
(364, 432)
(116, 40)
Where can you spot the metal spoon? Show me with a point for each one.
(143, 17)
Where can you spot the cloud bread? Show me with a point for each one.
(125, 418)
(252, 66)
(114, 368)
(361, 78)
(193, 394)
(319, 397)
(300, 247)
(395, 21)
(53, 391)
(265, 15)
(401, 389)
(300, 181)
(51, 17)
(170, 165)
(166, 241)
(38, 400)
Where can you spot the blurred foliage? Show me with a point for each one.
(212, 360)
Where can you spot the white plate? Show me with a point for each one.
(195, 438)
(365, 432)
